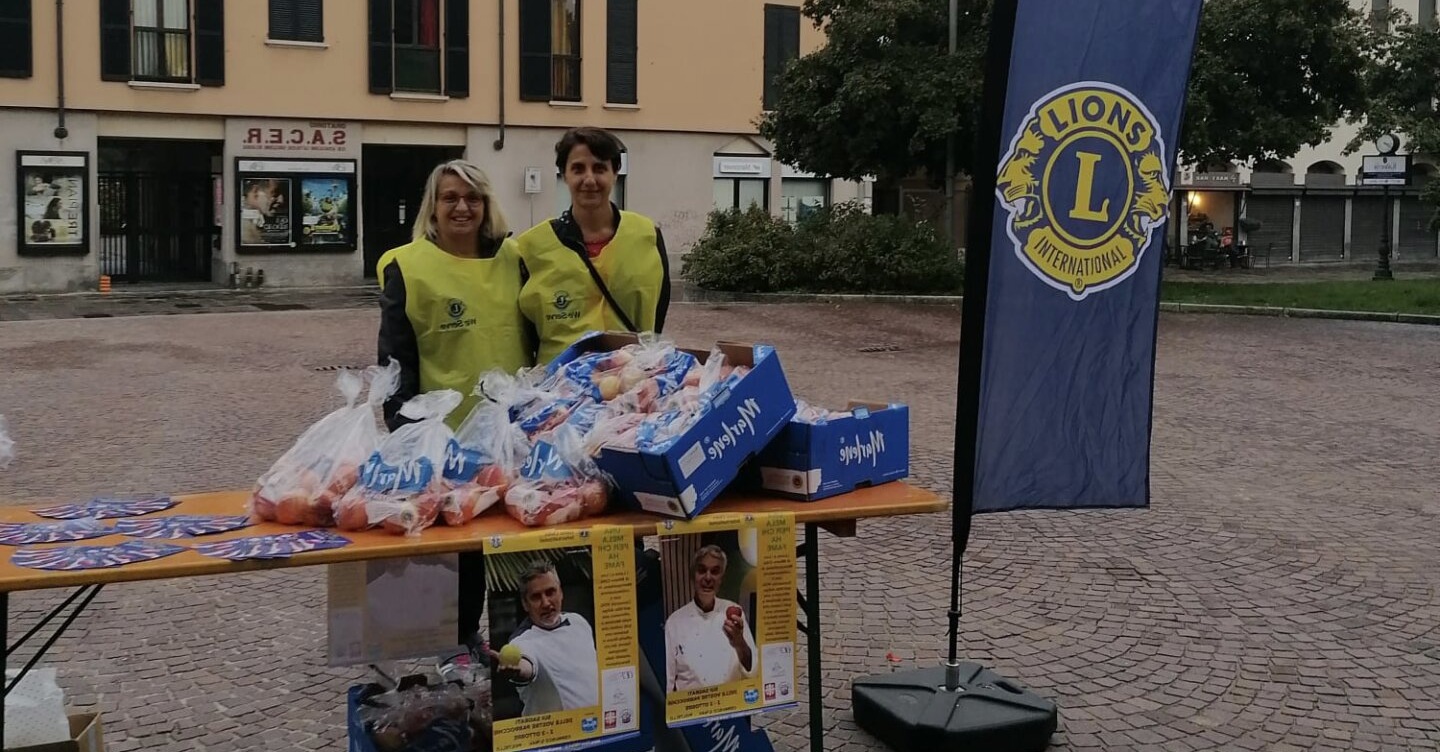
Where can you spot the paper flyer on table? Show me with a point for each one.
(730, 610)
(562, 620)
(393, 609)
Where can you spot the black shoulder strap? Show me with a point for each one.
(595, 275)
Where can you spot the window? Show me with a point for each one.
(420, 46)
(550, 50)
(16, 57)
(417, 45)
(1427, 14)
(1379, 14)
(741, 193)
(801, 196)
(782, 44)
(617, 193)
(164, 41)
(297, 20)
(620, 55)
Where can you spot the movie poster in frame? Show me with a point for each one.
(54, 198)
(295, 205)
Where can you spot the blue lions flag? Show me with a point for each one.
(1092, 115)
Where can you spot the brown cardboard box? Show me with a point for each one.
(84, 737)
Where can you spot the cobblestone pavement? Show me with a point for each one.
(1280, 594)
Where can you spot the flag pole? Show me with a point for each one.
(964, 705)
(972, 321)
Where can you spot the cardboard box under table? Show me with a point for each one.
(682, 481)
(815, 461)
(85, 736)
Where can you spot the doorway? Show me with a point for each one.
(157, 209)
(392, 182)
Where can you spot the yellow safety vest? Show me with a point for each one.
(465, 313)
(563, 301)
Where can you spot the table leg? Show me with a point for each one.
(812, 636)
(4, 657)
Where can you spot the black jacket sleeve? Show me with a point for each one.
(397, 340)
(662, 306)
(529, 331)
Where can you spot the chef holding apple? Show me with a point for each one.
(707, 640)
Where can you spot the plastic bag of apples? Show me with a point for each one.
(303, 486)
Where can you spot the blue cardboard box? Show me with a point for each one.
(682, 481)
(812, 462)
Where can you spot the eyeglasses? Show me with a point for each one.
(450, 199)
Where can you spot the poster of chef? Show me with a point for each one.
(729, 584)
(265, 211)
(563, 638)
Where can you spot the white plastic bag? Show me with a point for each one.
(402, 483)
(559, 482)
(35, 710)
(7, 447)
(303, 486)
(482, 461)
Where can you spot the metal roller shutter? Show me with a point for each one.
(1367, 227)
(1276, 215)
(1322, 228)
(1416, 240)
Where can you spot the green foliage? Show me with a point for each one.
(881, 97)
(840, 249)
(1404, 89)
(1272, 76)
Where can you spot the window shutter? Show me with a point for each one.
(16, 28)
(297, 20)
(621, 29)
(210, 42)
(782, 44)
(772, 54)
(282, 19)
(382, 78)
(535, 50)
(310, 20)
(457, 48)
(115, 40)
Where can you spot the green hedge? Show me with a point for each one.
(839, 249)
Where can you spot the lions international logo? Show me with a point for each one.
(1085, 185)
(456, 308)
(562, 300)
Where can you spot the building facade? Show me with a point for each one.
(1312, 208)
(186, 140)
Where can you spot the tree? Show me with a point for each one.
(1270, 76)
(1403, 81)
(882, 94)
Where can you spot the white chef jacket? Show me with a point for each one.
(697, 652)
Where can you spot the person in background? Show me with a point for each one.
(596, 266)
(449, 312)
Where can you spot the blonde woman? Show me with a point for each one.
(449, 305)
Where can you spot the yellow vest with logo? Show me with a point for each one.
(563, 301)
(466, 315)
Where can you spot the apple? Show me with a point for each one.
(733, 612)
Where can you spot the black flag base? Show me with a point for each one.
(913, 711)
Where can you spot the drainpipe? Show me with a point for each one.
(500, 142)
(60, 131)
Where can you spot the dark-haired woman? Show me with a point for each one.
(596, 266)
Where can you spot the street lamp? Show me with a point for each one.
(1385, 169)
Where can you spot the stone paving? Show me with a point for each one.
(1280, 594)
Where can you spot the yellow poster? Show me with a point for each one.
(730, 615)
(563, 637)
